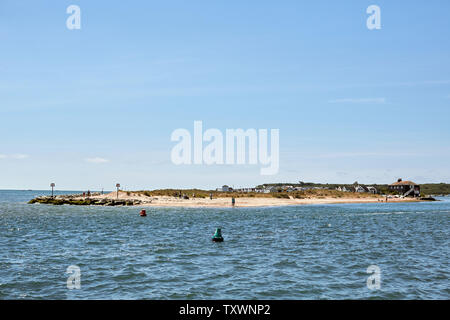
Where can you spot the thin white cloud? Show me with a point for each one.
(419, 83)
(17, 156)
(359, 100)
(360, 154)
(396, 84)
(96, 160)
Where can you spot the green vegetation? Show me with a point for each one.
(283, 195)
(427, 188)
(306, 194)
(198, 193)
(326, 193)
(435, 188)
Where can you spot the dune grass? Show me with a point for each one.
(306, 194)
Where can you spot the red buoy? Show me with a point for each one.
(143, 213)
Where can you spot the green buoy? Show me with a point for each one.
(218, 236)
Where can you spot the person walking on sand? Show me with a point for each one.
(233, 201)
(210, 196)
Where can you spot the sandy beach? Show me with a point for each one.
(223, 202)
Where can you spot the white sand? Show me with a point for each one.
(166, 201)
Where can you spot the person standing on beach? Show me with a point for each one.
(233, 201)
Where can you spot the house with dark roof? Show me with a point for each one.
(405, 188)
(371, 189)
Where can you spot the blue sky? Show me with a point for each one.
(91, 107)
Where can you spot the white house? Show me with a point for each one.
(226, 188)
(372, 189)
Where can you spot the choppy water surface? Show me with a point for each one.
(302, 252)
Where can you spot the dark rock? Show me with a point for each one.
(428, 199)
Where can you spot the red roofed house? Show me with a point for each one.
(405, 188)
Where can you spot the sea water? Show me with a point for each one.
(296, 252)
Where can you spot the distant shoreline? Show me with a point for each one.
(142, 200)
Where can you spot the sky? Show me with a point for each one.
(91, 107)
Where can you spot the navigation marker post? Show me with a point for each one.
(117, 186)
(53, 186)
